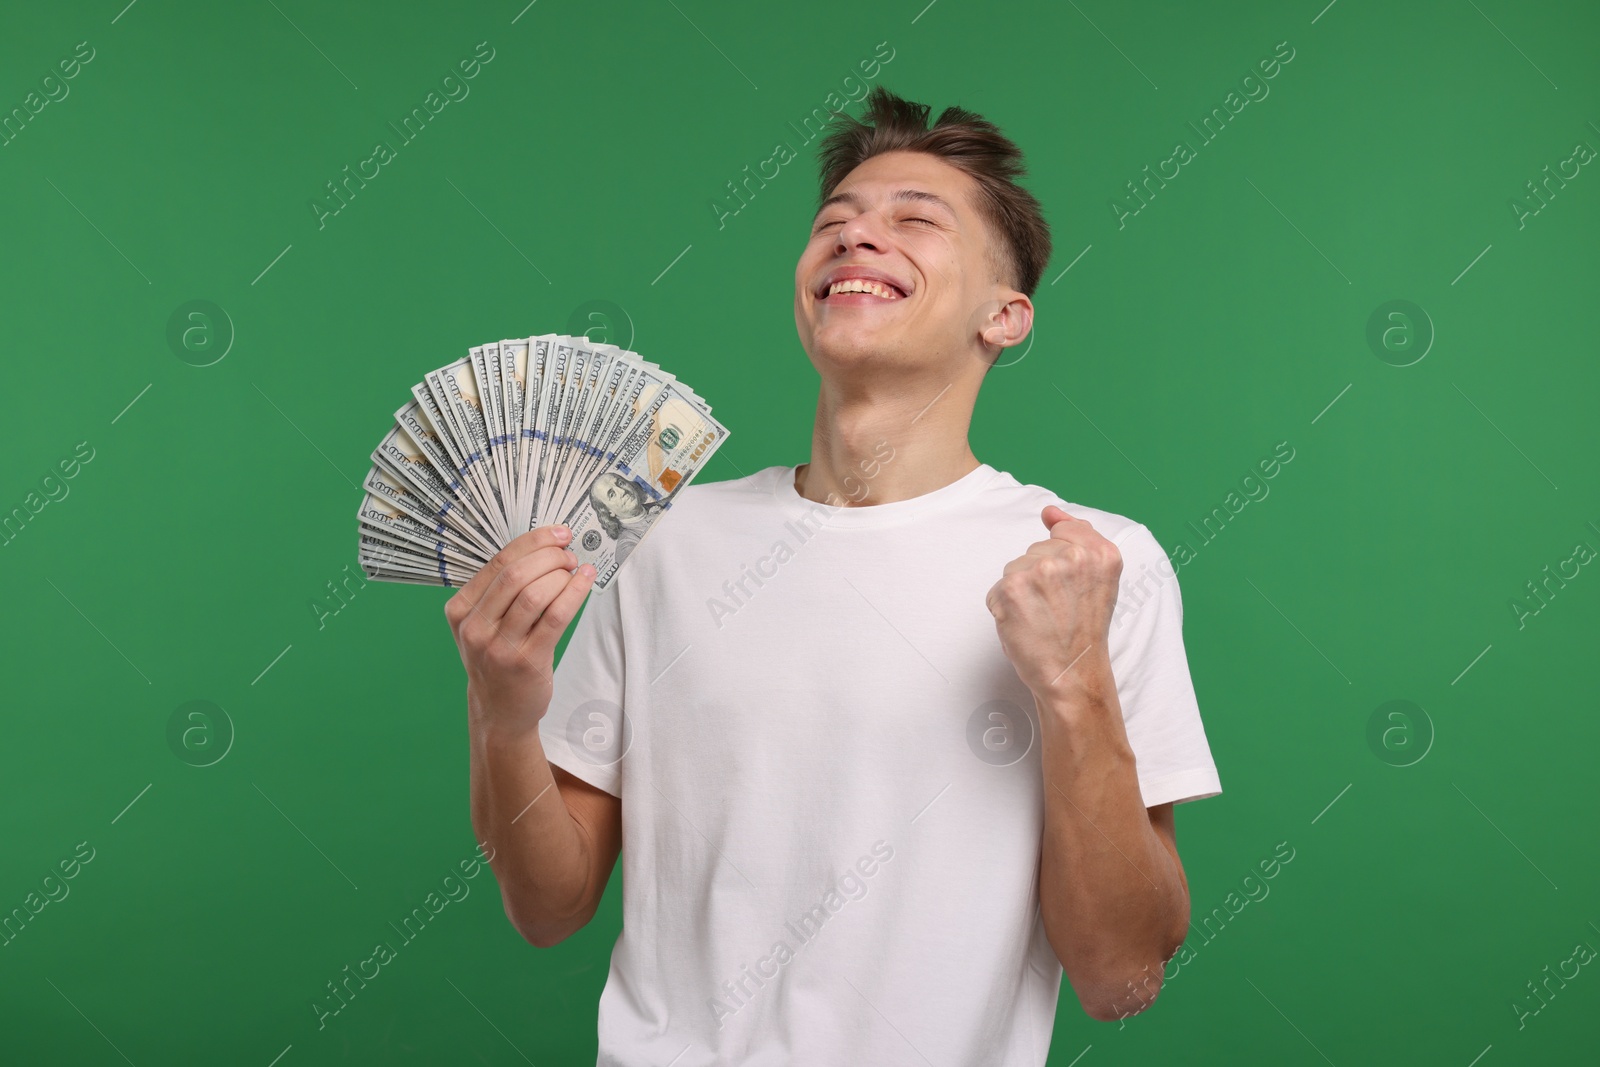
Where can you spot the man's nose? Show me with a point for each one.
(867, 230)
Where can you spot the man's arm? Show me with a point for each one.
(552, 842)
(552, 857)
(1112, 893)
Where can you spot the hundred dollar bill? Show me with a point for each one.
(431, 425)
(482, 411)
(579, 387)
(668, 446)
(486, 374)
(633, 398)
(596, 423)
(525, 432)
(396, 493)
(377, 547)
(531, 430)
(383, 516)
(385, 561)
(596, 371)
(513, 387)
(407, 464)
(558, 369)
(455, 397)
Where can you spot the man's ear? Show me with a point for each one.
(1008, 319)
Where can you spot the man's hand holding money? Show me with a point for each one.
(508, 619)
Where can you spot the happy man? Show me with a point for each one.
(916, 767)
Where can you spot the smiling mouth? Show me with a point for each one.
(879, 290)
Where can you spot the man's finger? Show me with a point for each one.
(531, 601)
(1054, 516)
(1035, 552)
(538, 537)
(553, 623)
(1048, 547)
(517, 576)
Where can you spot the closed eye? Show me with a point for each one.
(840, 222)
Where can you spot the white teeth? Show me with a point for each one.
(862, 285)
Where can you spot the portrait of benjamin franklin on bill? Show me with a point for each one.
(623, 511)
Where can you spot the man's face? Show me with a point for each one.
(902, 225)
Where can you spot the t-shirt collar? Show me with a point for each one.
(891, 513)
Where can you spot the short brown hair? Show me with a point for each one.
(964, 140)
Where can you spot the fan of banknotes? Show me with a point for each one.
(549, 429)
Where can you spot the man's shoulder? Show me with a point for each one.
(702, 497)
(703, 513)
(1128, 534)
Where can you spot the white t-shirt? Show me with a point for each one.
(831, 791)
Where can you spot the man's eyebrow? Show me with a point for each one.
(899, 196)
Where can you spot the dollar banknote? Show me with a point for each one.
(523, 433)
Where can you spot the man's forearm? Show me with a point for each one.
(1112, 896)
(540, 854)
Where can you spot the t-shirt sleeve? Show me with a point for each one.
(585, 732)
(1159, 710)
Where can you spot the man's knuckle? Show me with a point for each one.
(476, 634)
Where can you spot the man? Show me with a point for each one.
(884, 756)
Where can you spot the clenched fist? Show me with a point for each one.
(508, 618)
(1054, 602)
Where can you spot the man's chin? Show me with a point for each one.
(854, 340)
(855, 349)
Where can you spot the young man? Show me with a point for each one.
(884, 753)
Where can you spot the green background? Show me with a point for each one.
(1226, 316)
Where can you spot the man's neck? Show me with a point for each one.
(876, 447)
